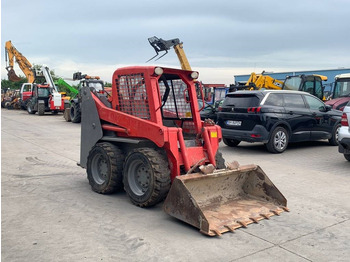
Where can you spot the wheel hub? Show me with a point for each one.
(280, 140)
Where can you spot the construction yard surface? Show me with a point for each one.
(49, 212)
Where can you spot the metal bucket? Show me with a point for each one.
(224, 200)
(12, 76)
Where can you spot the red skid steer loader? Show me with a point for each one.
(148, 138)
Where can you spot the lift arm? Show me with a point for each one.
(10, 53)
(161, 45)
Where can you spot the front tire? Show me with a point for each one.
(231, 142)
(278, 141)
(30, 109)
(146, 177)
(75, 113)
(333, 141)
(347, 156)
(41, 109)
(105, 168)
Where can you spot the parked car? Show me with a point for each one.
(210, 111)
(344, 133)
(277, 117)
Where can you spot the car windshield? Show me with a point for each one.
(342, 88)
(292, 83)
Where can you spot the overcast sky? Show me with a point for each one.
(221, 38)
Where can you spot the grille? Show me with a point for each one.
(133, 96)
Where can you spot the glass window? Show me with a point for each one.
(293, 100)
(274, 100)
(292, 83)
(43, 92)
(314, 103)
(241, 100)
(342, 88)
(308, 87)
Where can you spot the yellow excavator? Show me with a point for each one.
(10, 54)
(259, 81)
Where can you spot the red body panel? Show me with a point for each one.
(151, 127)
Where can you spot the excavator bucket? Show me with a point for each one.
(12, 75)
(225, 199)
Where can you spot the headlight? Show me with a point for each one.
(194, 75)
(158, 71)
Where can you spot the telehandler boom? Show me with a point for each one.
(148, 138)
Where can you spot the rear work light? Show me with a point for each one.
(254, 109)
(344, 120)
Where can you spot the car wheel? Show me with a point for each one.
(278, 141)
(333, 141)
(231, 142)
(347, 156)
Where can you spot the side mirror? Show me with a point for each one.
(325, 108)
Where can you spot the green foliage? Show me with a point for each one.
(7, 84)
(108, 84)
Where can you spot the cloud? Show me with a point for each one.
(225, 36)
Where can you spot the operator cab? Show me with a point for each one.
(311, 84)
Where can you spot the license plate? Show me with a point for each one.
(233, 123)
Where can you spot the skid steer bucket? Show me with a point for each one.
(224, 200)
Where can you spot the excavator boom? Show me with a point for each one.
(10, 53)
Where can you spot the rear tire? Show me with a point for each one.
(75, 113)
(278, 141)
(333, 141)
(231, 142)
(41, 109)
(30, 109)
(347, 156)
(105, 168)
(220, 161)
(146, 177)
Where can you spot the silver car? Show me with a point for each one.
(344, 133)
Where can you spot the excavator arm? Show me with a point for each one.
(10, 53)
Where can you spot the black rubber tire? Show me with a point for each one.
(347, 156)
(220, 161)
(75, 113)
(146, 177)
(231, 142)
(333, 141)
(105, 168)
(278, 141)
(30, 110)
(41, 109)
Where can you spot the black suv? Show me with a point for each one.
(276, 117)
